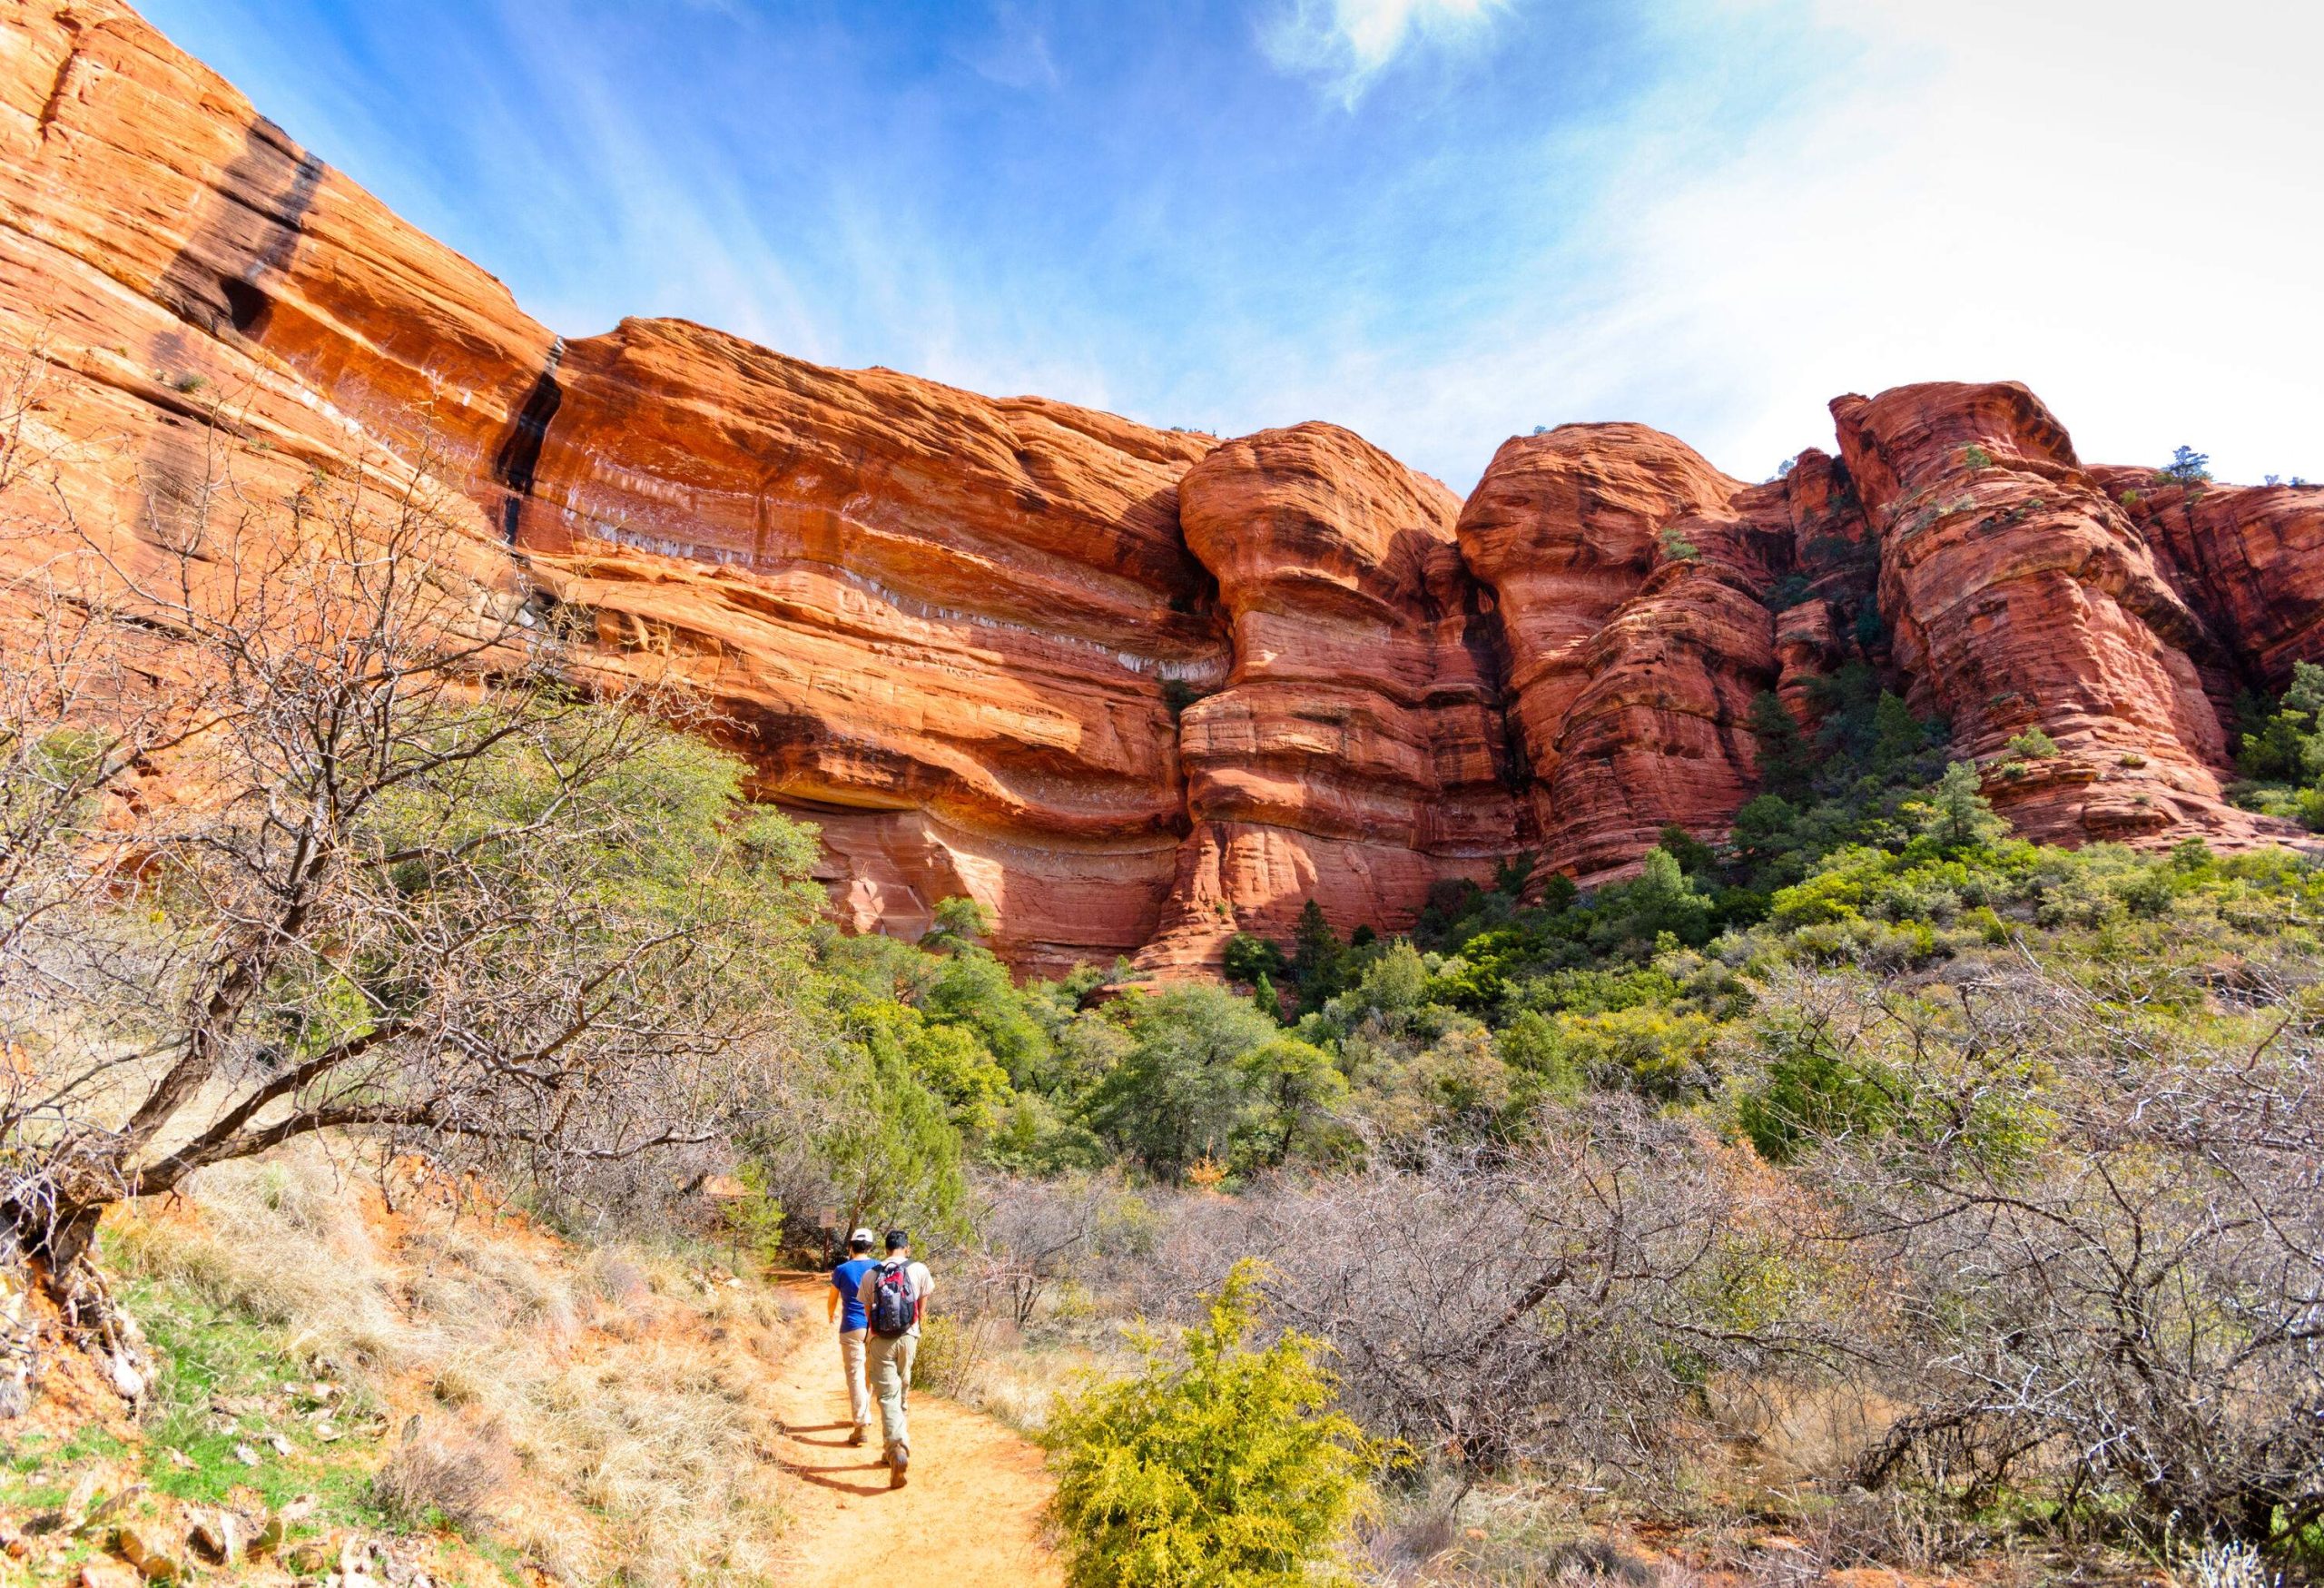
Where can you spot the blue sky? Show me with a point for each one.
(1438, 222)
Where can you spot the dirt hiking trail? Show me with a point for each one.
(970, 1518)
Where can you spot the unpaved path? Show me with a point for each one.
(970, 1518)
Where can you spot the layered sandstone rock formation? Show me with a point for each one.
(2021, 597)
(1627, 573)
(948, 629)
(1357, 754)
(1135, 689)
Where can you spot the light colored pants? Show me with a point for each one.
(890, 1363)
(851, 1363)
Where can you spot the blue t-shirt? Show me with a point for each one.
(848, 1279)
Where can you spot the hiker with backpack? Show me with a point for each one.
(844, 1307)
(894, 1294)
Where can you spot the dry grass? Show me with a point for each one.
(445, 1471)
(614, 1400)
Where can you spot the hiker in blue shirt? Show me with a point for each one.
(845, 1306)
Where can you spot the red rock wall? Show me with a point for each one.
(2248, 558)
(1133, 688)
(902, 597)
(206, 291)
(2021, 597)
(1626, 574)
(1357, 752)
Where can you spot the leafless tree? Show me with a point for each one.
(1563, 1299)
(2107, 1239)
(1029, 1234)
(307, 829)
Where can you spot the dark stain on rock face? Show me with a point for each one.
(246, 227)
(518, 462)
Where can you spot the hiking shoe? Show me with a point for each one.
(861, 1436)
(899, 1459)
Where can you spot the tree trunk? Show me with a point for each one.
(54, 1244)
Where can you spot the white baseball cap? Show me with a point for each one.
(862, 1237)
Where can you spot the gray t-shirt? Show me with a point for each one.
(916, 1280)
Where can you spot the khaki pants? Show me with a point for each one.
(851, 1365)
(890, 1365)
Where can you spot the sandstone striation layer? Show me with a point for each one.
(1630, 578)
(1357, 753)
(943, 626)
(1133, 689)
(2022, 598)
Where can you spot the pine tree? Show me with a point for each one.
(2188, 466)
(1957, 813)
(1318, 963)
(1787, 764)
(1898, 735)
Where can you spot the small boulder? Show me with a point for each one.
(126, 1381)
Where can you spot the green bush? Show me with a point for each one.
(1180, 1091)
(2032, 745)
(1219, 1464)
(1810, 1093)
(1250, 957)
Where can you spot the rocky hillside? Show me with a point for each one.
(1133, 689)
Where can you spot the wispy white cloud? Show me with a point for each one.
(1347, 45)
(1737, 210)
(1016, 53)
(2105, 199)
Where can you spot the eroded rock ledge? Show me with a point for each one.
(1135, 690)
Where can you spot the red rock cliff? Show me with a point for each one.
(1133, 688)
(1357, 753)
(2021, 597)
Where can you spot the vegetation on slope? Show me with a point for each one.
(2016, 1151)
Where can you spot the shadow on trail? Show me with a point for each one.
(827, 1477)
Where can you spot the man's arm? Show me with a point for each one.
(831, 1301)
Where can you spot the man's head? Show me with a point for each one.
(860, 1243)
(899, 1243)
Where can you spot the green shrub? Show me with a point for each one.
(1180, 1092)
(1219, 1464)
(1788, 592)
(1250, 957)
(1810, 1093)
(1652, 1050)
(2032, 745)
